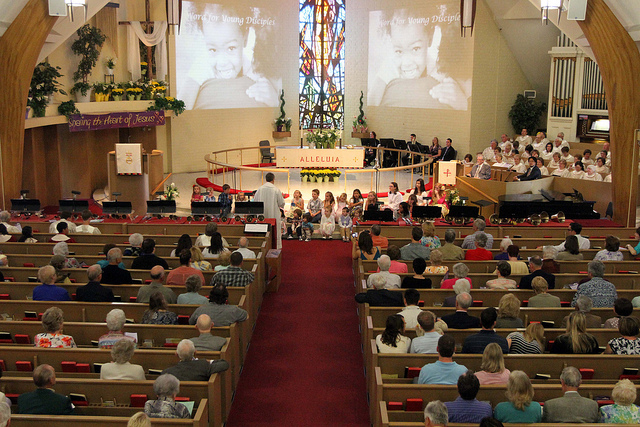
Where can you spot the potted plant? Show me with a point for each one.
(43, 85)
(304, 175)
(111, 64)
(168, 103)
(101, 91)
(117, 94)
(68, 108)
(134, 93)
(525, 114)
(171, 193)
(87, 46)
(360, 122)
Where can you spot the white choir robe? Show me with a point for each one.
(273, 200)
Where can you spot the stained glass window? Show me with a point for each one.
(322, 64)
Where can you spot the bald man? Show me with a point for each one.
(192, 369)
(44, 400)
(206, 341)
(156, 285)
(243, 248)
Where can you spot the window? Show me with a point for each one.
(322, 64)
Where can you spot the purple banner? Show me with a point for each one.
(83, 122)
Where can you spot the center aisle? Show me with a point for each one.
(304, 365)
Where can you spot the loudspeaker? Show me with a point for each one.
(530, 94)
(577, 10)
(57, 8)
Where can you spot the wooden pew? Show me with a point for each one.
(523, 242)
(120, 391)
(200, 418)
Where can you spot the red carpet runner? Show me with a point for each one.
(304, 366)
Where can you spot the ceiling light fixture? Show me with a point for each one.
(76, 3)
(467, 16)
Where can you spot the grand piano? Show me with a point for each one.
(524, 205)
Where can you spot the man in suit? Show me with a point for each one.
(379, 296)
(477, 342)
(94, 291)
(481, 169)
(461, 319)
(44, 400)
(532, 173)
(448, 152)
(570, 408)
(189, 368)
(535, 266)
(584, 306)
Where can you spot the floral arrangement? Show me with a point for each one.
(117, 93)
(360, 122)
(319, 173)
(452, 196)
(143, 68)
(110, 63)
(324, 138)
(134, 91)
(168, 103)
(158, 89)
(171, 193)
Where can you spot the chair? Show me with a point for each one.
(266, 152)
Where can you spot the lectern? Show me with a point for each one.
(137, 188)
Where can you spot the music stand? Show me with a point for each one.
(457, 211)
(73, 206)
(206, 208)
(384, 215)
(117, 208)
(426, 212)
(161, 207)
(25, 205)
(249, 208)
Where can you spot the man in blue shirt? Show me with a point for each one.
(466, 408)
(427, 343)
(48, 291)
(477, 342)
(444, 370)
(225, 200)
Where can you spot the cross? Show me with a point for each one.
(447, 173)
(148, 28)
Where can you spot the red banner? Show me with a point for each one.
(84, 122)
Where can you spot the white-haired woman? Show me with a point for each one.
(166, 387)
(460, 271)
(120, 369)
(623, 411)
(62, 248)
(504, 244)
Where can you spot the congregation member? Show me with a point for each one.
(436, 414)
(429, 237)
(531, 341)
(392, 340)
(243, 248)
(5, 236)
(216, 248)
(542, 297)
(504, 245)
(184, 242)
(417, 281)
(479, 226)
(86, 227)
(591, 174)
(397, 267)
(115, 323)
(466, 408)
(5, 414)
(157, 285)
(611, 251)
(448, 152)
(427, 343)
(113, 274)
(622, 307)
(571, 407)
(492, 370)
(535, 266)
(479, 253)
(508, 312)
(461, 318)
(532, 173)
(273, 201)
(520, 407)
(135, 242)
(517, 267)
(63, 234)
(503, 271)
(379, 295)
(5, 217)
(57, 262)
(198, 261)
(48, 291)
(234, 275)
(489, 153)
(586, 158)
(578, 171)
(443, 371)
(518, 164)
(623, 410)
(62, 249)
(364, 247)
(157, 314)
(564, 155)
(411, 310)
(451, 252)
(571, 250)
(190, 368)
(436, 266)
(27, 235)
(562, 171)
(576, 340)
(500, 163)
(44, 400)
(549, 263)
(601, 166)
(166, 387)
(635, 250)
(147, 258)
(193, 284)
(315, 205)
(524, 139)
(206, 341)
(554, 161)
(461, 285)
(460, 271)
(178, 276)
(548, 152)
(477, 342)
(218, 309)
(628, 342)
(481, 170)
(94, 291)
(415, 249)
(584, 306)
(121, 369)
(601, 292)
(64, 217)
(392, 281)
(204, 240)
(52, 323)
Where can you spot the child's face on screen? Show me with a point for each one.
(224, 41)
(410, 43)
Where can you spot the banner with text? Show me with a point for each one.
(129, 119)
(310, 158)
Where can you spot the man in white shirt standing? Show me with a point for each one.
(574, 230)
(86, 226)
(273, 201)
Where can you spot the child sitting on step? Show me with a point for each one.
(306, 228)
(327, 223)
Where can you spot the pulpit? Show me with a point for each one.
(136, 188)
(446, 172)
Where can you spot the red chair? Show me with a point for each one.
(477, 303)
(170, 344)
(3, 367)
